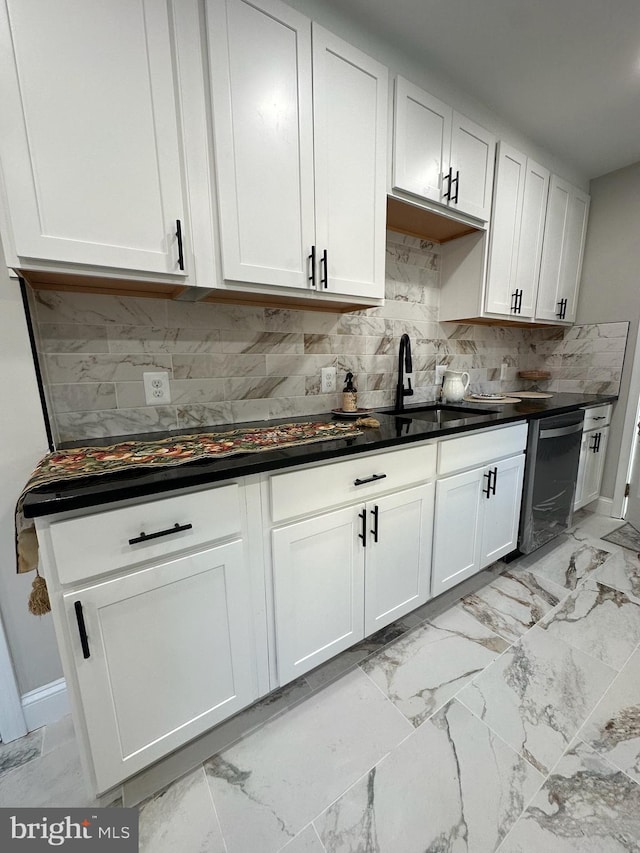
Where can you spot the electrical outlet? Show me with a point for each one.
(328, 382)
(156, 388)
(440, 369)
(503, 371)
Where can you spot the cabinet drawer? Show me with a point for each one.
(311, 490)
(98, 543)
(456, 454)
(598, 416)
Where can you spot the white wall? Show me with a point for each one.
(22, 443)
(610, 288)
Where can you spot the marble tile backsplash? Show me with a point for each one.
(231, 363)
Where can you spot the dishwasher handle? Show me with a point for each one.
(556, 433)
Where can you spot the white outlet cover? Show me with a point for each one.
(328, 382)
(156, 388)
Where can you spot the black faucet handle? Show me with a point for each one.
(408, 392)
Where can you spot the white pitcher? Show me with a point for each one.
(454, 386)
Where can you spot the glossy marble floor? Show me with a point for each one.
(503, 716)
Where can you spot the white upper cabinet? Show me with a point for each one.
(90, 148)
(440, 155)
(564, 236)
(517, 226)
(300, 144)
(260, 58)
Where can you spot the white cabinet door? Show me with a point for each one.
(456, 544)
(517, 227)
(350, 93)
(592, 456)
(168, 655)
(398, 555)
(472, 163)
(422, 141)
(563, 246)
(260, 60)
(318, 577)
(90, 145)
(501, 294)
(501, 510)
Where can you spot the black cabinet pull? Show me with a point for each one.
(144, 537)
(562, 313)
(372, 479)
(312, 258)
(492, 479)
(487, 491)
(363, 535)
(448, 178)
(514, 302)
(596, 442)
(518, 301)
(495, 480)
(324, 274)
(82, 630)
(179, 238)
(374, 530)
(457, 182)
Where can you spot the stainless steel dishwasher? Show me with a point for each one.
(551, 471)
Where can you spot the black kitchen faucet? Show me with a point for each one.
(404, 355)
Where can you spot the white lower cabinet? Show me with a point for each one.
(592, 455)
(343, 575)
(476, 520)
(161, 655)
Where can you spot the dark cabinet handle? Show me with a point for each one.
(448, 178)
(374, 530)
(562, 313)
(457, 183)
(372, 479)
(145, 537)
(363, 535)
(516, 301)
(82, 630)
(312, 258)
(324, 274)
(492, 479)
(597, 437)
(179, 238)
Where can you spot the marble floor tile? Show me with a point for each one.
(621, 571)
(274, 782)
(350, 658)
(567, 560)
(421, 671)
(55, 779)
(592, 525)
(513, 602)
(537, 695)
(305, 842)
(613, 729)
(452, 786)
(181, 817)
(58, 733)
(598, 620)
(585, 806)
(19, 752)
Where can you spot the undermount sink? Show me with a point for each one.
(440, 413)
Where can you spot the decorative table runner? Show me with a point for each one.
(64, 465)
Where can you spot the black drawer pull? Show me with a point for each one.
(82, 630)
(324, 265)
(144, 537)
(312, 259)
(372, 479)
(599, 418)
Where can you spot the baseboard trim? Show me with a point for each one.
(45, 704)
(604, 506)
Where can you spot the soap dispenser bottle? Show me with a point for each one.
(349, 395)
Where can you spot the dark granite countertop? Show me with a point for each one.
(394, 430)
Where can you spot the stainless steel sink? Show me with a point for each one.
(440, 413)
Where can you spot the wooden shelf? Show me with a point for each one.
(407, 218)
